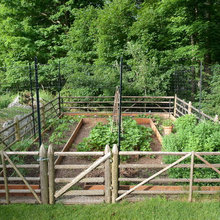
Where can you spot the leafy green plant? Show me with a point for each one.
(134, 136)
(167, 123)
(60, 126)
(5, 100)
(193, 136)
(20, 159)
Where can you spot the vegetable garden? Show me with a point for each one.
(80, 162)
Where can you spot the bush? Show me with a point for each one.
(193, 136)
(134, 137)
(5, 100)
(46, 96)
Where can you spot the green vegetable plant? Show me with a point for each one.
(193, 136)
(167, 123)
(134, 137)
(60, 126)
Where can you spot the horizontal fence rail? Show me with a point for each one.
(138, 104)
(23, 128)
(181, 108)
(39, 179)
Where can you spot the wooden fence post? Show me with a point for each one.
(190, 108)
(17, 130)
(51, 172)
(43, 116)
(5, 178)
(107, 177)
(174, 110)
(43, 174)
(191, 177)
(114, 173)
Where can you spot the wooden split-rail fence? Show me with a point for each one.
(24, 127)
(97, 105)
(108, 188)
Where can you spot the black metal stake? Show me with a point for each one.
(32, 98)
(120, 99)
(38, 101)
(200, 88)
(59, 90)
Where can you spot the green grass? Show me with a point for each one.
(157, 208)
(10, 113)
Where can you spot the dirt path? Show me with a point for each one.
(84, 132)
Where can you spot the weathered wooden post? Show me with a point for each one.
(43, 174)
(17, 130)
(174, 110)
(190, 108)
(43, 116)
(191, 177)
(5, 178)
(114, 173)
(51, 172)
(107, 176)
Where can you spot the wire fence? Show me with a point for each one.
(189, 83)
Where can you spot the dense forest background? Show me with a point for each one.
(165, 45)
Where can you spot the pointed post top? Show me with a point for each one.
(50, 149)
(107, 149)
(42, 152)
(115, 149)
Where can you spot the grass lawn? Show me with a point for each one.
(157, 208)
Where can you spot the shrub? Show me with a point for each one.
(134, 136)
(193, 136)
(5, 100)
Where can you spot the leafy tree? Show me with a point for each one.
(113, 24)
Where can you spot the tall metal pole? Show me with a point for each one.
(59, 90)
(38, 101)
(32, 98)
(200, 88)
(120, 100)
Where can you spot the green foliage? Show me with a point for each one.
(112, 35)
(23, 145)
(193, 136)
(134, 137)
(156, 38)
(10, 113)
(187, 122)
(60, 126)
(211, 101)
(5, 100)
(46, 96)
(167, 122)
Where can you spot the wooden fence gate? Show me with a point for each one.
(16, 175)
(67, 190)
(105, 187)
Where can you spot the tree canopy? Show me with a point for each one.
(155, 38)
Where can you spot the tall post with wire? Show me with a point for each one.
(120, 100)
(200, 88)
(38, 101)
(32, 98)
(59, 99)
